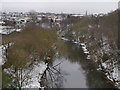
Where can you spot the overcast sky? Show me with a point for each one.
(58, 6)
(60, 0)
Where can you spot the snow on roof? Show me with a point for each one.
(78, 15)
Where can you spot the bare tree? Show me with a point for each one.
(33, 16)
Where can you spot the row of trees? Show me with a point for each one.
(32, 45)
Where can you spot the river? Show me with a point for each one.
(73, 71)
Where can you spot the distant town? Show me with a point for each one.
(21, 18)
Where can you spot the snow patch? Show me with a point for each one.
(7, 30)
(35, 75)
(65, 39)
(1, 62)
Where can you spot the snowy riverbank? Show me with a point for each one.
(83, 45)
(111, 75)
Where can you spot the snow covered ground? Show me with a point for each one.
(7, 30)
(1, 62)
(30, 77)
(2, 51)
(35, 76)
(65, 39)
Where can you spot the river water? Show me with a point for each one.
(73, 71)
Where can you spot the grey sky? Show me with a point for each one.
(58, 6)
(60, 0)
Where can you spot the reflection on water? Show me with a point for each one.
(74, 71)
(52, 78)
